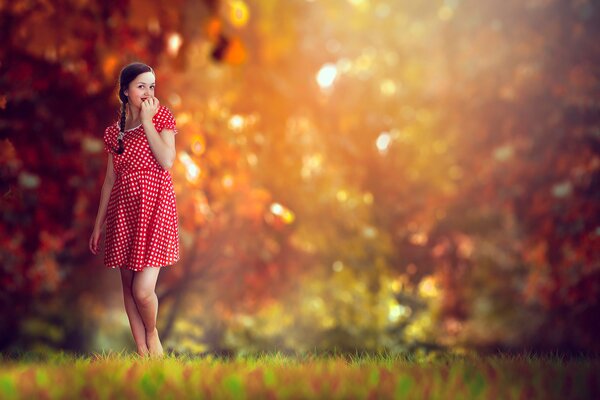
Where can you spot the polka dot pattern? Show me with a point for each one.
(141, 223)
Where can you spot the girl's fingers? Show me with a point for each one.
(94, 244)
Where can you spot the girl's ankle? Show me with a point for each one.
(152, 331)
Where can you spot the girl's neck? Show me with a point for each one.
(133, 116)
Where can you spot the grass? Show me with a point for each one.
(311, 376)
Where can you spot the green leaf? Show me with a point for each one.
(269, 378)
(374, 377)
(149, 385)
(41, 377)
(403, 386)
(477, 385)
(7, 387)
(235, 385)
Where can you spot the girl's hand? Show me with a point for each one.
(149, 109)
(94, 239)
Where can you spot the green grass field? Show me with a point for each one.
(275, 375)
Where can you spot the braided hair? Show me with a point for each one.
(128, 74)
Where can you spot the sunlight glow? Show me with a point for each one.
(364, 63)
(198, 144)
(326, 75)
(361, 5)
(201, 207)
(174, 43)
(418, 238)
(337, 266)
(227, 181)
(396, 285)
(236, 122)
(369, 232)
(387, 87)
(344, 65)
(238, 13)
(398, 311)
(183, 118)
(192, 170)
(311, 164)
(252, 159)
(284, 213)
(341, 195)
(175, 99)
(383, 142)
(428, 287)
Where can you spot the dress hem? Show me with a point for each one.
(141, 269)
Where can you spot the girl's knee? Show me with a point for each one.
(143, 296)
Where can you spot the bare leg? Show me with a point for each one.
(144, 283)
(135, 319)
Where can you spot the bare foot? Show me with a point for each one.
(154, 345)
(143, 351)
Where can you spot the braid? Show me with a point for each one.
(123, 115)
(121, 128)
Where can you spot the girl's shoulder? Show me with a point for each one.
(163, 111)
(112, 128)
(164, 119)
(163, 114)
(110, 136)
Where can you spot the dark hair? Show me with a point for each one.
(128, 74)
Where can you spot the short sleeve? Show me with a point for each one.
(164, 119)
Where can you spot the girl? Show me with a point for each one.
(138, 201)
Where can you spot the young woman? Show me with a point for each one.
(138, 201)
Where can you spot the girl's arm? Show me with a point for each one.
(109, 181)
(162, 145)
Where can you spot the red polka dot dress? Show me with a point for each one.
(141, 220)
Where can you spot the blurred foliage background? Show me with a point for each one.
(353, 174)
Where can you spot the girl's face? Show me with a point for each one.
(140, 89)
